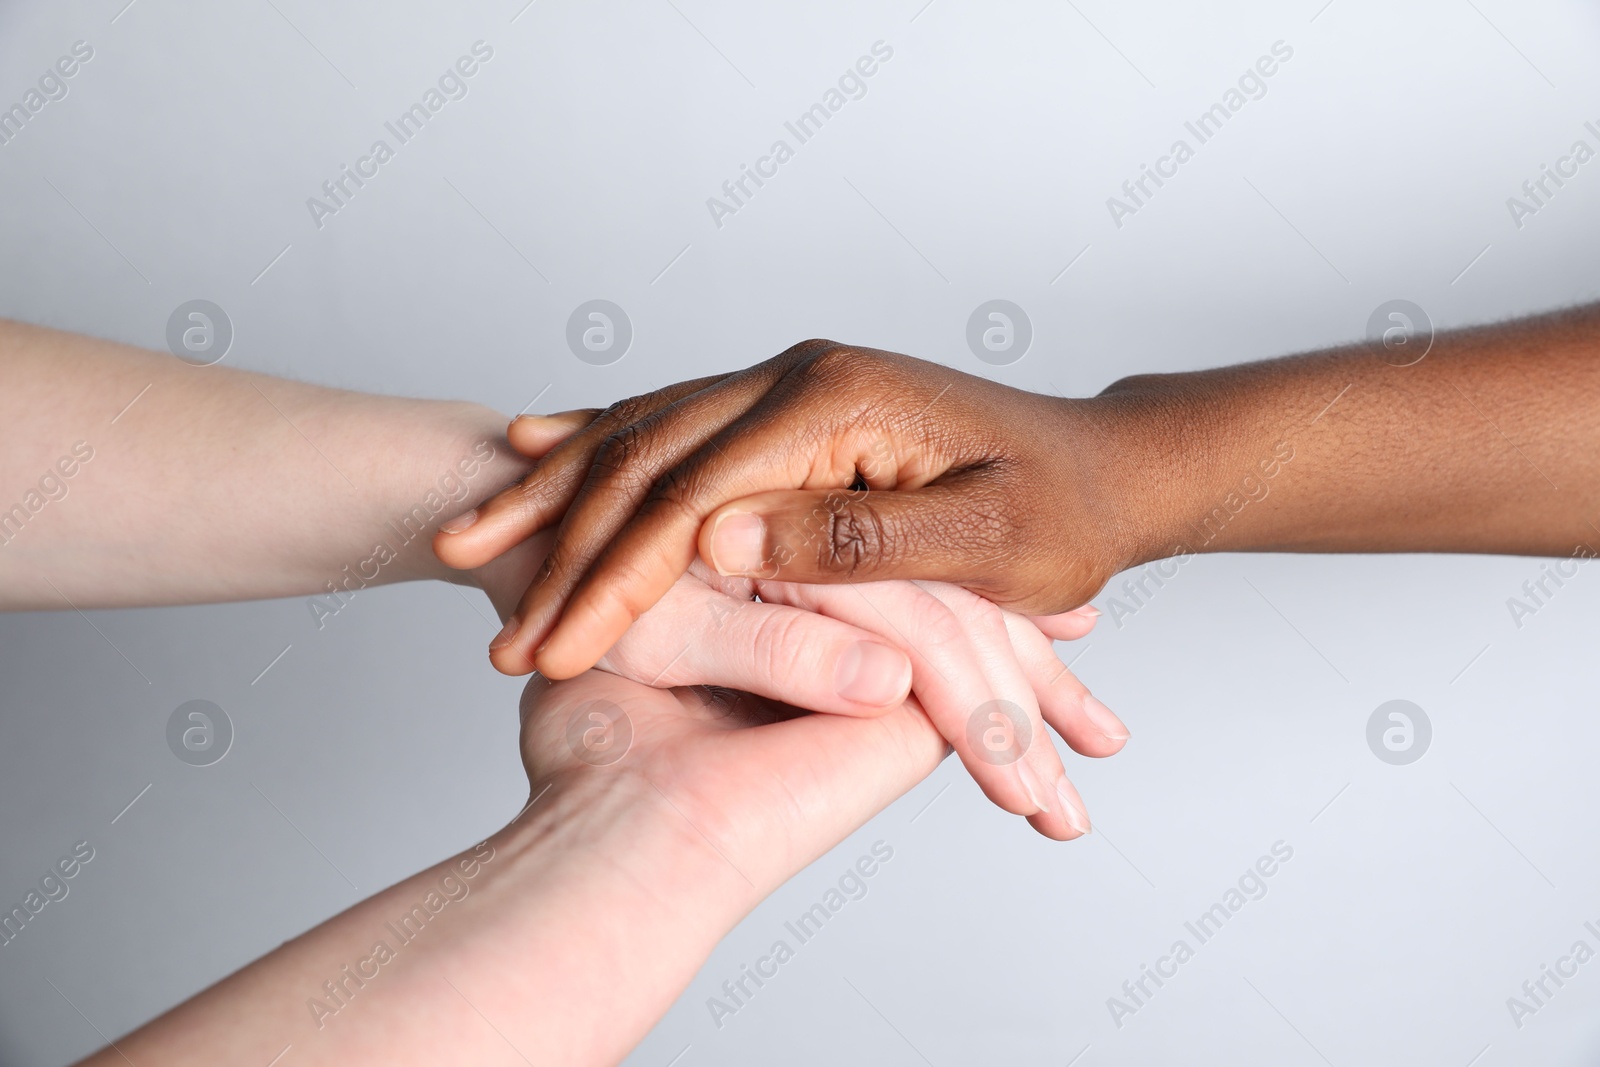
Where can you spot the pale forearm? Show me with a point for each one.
(1491, 443)
(578, 926)
(192, 484)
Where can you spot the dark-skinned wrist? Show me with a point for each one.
(1153, 457)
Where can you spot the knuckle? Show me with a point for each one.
(623, 576)
(846, 380)
(939, 626)
(855, 538)
(679, 487)
(1065, 686)
(827, 361)
(629, 410)
(557, 564)
(805, 350)
(987, 617)
(675, 484)
(524, 500)
(773, 641)
(620, 448)
(622, 462)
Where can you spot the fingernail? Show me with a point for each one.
(460, 522)
(1088, 611)
(1030, 782)
(1069, 808)
(738, 542)
(1104, 720)
(872, 674)
(507, 632)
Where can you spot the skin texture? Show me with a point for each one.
(721, 796)
(720, 799)
(836, 464)
(211, 483)
(286, 487)
(966, 656)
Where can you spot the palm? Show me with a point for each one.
(767, 787)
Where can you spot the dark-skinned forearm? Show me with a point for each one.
(1490, 443)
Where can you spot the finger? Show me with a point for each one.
(1018, 721)
(535, 435)
(780, 652)
(542, 496)
(532, 436)
(804, 433)
(1069, 625)
(623, 580)
(951, 531)
(621, 477)
(1088, 726)
(948, 676)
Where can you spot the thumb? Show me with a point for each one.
(798, 657)
(946, 532)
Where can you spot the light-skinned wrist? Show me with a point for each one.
(448, 456)
(620, 901)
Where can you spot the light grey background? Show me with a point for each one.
(977, 167)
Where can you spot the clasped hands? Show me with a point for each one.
(919, 656)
